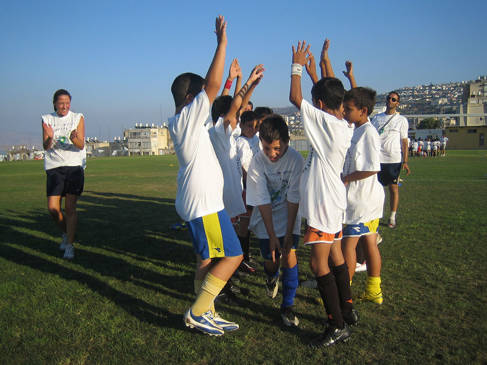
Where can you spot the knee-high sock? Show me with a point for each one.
(343, 284)
(289, 285)
(210, 288)
(373, 285)
(197, 286)
(329, 293)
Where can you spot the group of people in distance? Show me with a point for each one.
(238, 174)
(430, 147)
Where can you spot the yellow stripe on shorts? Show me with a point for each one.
(372, 225)
(213, 232)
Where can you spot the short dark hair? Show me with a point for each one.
(362, 97)
(274, 127)
(397, 93)
(247, 116)
(220, 106)
(186, 84)
(330, 91)
(57, 94)
(251, 105)
(262, 111)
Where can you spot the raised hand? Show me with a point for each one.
(300, 53)
(48, 131)
(234, 70)
(311, 68)
(221, 30)
(257, 73)
(324, 50)
(349, 72)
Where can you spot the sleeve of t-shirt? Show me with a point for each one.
(368, 152)
(293, 191)
(404, 128)
(257, 193)
(312, 124)
(244, 153)
(193, 116)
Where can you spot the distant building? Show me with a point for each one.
(21, 153)
(466, 138)
(148, 140)
(474, 101)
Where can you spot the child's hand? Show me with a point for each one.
(300, 54)
(73, 135)
(234, 70)
(349, 73)
(257, 74)
(311, 68)
(324, 50)
(274, 247)
(287, 244)
(221, 30)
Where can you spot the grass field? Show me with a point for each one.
(121, 300)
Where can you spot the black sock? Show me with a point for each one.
(343, 284)
(329, 293)
(245, 244)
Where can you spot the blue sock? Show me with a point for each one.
(289, 285)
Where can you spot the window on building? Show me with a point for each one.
(472, 131)
(481, 139)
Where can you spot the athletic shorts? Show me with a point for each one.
(314, 235)
(264, 246)
(361, 229)
(389, 173)
(65, 180)
(213, 236)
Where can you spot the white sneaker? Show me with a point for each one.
(64, 242)
(69, 252)
(361, 267)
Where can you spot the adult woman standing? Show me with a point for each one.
(63, 136)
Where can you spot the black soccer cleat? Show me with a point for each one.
(351, 318)
(332, 336)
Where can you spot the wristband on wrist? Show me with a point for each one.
(228, 84)
(296, 69)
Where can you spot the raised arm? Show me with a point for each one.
(231, 116)
(325, 64)
(215, 72)
(349, 74)
(232, 74)
(238, 83)
(299, 60)
(78, 135)
(311, 68)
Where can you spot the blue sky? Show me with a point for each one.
(118, 59)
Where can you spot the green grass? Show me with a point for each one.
(121, 300)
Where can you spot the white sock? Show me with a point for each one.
(393, 217)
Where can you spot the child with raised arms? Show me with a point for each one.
(365, 195)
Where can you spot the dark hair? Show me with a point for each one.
(361, 97)
(262, 111)
(330, 91)
(395, 92)
(274, 128)
(57, 94)
(220, 106)
(186, 84)
(251, 105)
(247, 116)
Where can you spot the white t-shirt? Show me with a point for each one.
(323, 194)
(428, 145)
(444, 141)
(63, 151)
(224, 143)
(274, 183)
(391, 136)
(200, 177)
(415, 146)
(365, 198)
(246, 149)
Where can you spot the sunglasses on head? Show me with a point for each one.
(392, 98)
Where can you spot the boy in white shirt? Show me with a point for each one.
(199, 199)
(323, 195)
(273, 189)
(365, 195)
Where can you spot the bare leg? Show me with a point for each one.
(71, 216)
(319, 259)
(394, 197)
(54, 208)
(349, 246)
(225, 267)
(374, 260)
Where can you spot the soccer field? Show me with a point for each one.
(122, 298)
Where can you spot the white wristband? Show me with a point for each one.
(296, 69)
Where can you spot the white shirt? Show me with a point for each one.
(365, 198)
(63, 151)
(224, 143)
(323, 194)
(391, 135)
(200, 177)
(274, 183)
(444, 141)
(246, 149)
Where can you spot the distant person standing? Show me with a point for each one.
(63, 139)
(444, 141)
(393, 132)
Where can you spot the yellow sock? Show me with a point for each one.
(197, 286)
(211, 287)
(373, 285)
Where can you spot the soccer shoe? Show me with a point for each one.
(392, 223)
(332, 336)
(361, 267)
(289, 318)
(69, 252)
(203, 323)
(351, 318)
(379, 239)
(246, 268)
(372, 297)
(224, 324)
(64, 242)
(272, 286)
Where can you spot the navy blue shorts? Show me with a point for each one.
(65, 180)
(264, 246)
(389, 173)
